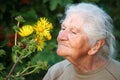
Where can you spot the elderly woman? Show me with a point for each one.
(87, 42)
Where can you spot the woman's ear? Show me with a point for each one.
(97, 47)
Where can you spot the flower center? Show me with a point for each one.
(40, 30)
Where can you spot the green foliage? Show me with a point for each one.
(31, 10)
(2, 52)
(1, 67)
(95, 1)
(20, 52)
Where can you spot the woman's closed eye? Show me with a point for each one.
(63, 28)
(73, 32)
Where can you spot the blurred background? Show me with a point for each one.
(31, 10)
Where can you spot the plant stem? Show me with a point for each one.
(27, 68)
(16, 33)
(15, 38)
(12, 69)
(30, 72)
(24, 72)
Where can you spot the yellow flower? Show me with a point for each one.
(40, 42)
(26, 30)
(48, 36)
(43, 28)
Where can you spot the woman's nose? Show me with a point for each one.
(63, 35)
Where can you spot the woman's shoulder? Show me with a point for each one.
(115, 63)
(60, 65)
(114, 68)
(56, 70)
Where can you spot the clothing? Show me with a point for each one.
(64, 70)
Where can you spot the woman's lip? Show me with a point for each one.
(62, 45)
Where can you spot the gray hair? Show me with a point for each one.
(97, 24)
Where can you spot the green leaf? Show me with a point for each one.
(91, 1)
(53, 4)
(66, 2)
(19, 19)
(2, 8)
(2, 52)
(1, 78)
(30, 16)
(15, 28)
(1, 67)
(14, 58)
(44, 1)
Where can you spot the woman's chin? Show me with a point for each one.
(60, 53)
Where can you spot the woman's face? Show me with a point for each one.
(72, 40)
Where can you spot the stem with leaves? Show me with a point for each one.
(24, 72)
(19, 19)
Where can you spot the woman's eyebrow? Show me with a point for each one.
(62, 25)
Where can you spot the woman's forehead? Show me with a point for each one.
(73, 20)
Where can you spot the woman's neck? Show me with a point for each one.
(90, 63)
